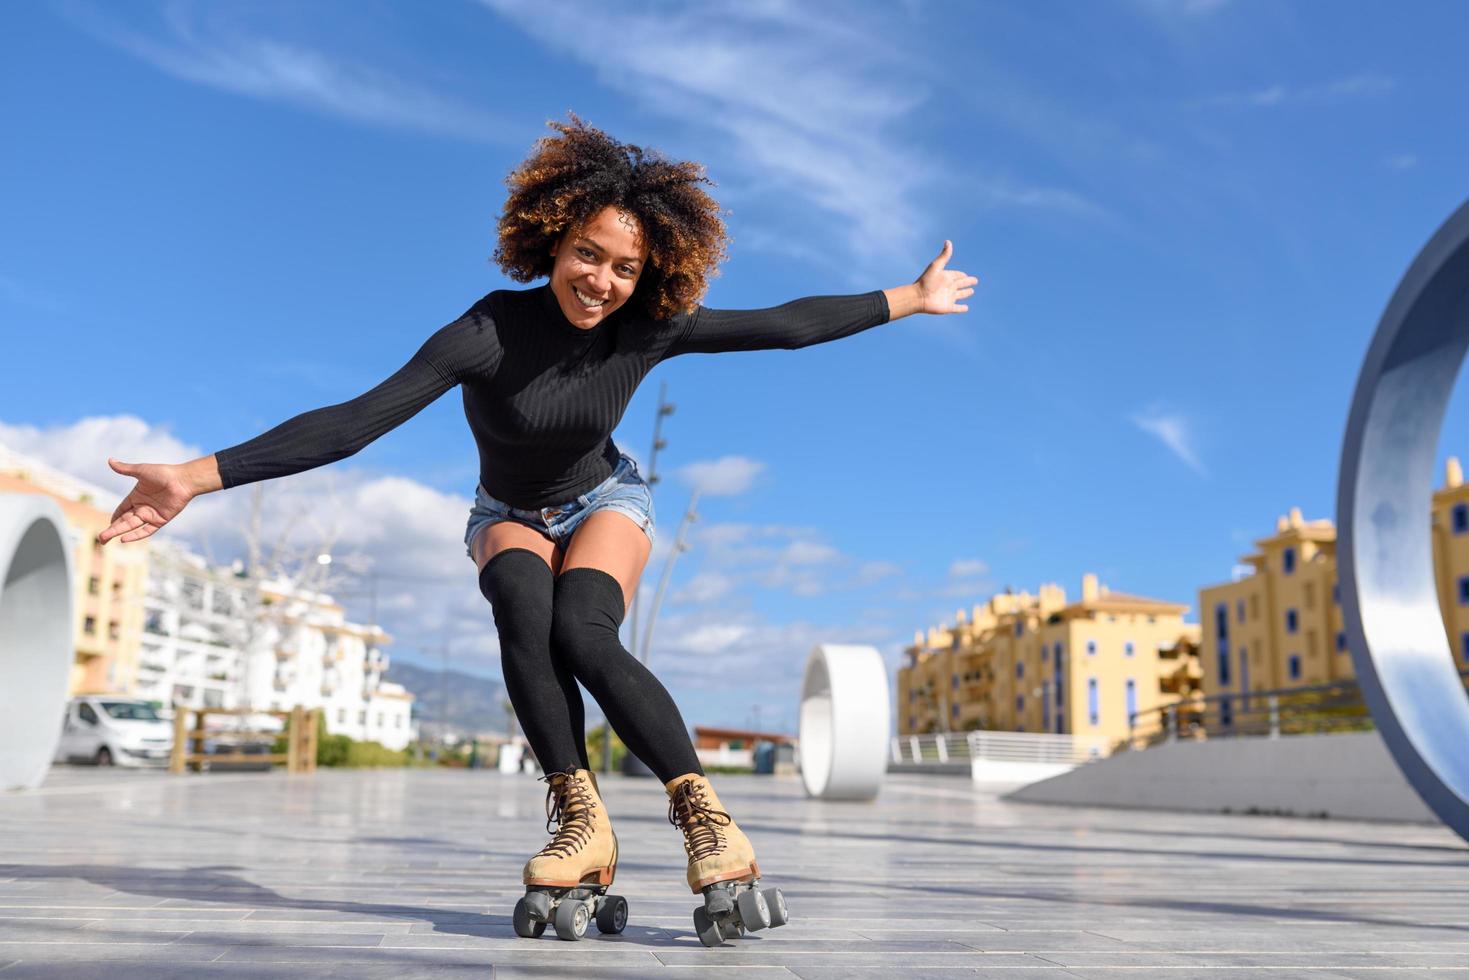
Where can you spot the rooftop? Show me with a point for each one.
(394, 874)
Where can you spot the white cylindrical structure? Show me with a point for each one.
(36, 634)
(845, 717)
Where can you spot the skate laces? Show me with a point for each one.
(569, 804)
(689, 810)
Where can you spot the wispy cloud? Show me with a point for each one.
(1359, 86)
(727, 476)
(199, 49)
(1174, 431)
(807, 104)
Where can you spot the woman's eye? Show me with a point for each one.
(627, 270)
(585, 253)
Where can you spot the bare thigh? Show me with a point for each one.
(502, 535)
(615, 544)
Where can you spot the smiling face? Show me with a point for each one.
(597, 266)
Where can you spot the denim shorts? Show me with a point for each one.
(624, 492)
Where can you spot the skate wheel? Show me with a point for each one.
(754, 913)
(612, 915)
(571, 920)
(717, 902)
(538, 904)
(776, 902)
(525, 926)
(707, 929)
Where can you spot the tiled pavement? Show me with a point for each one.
(394, 874)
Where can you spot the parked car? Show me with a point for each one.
(114, 731)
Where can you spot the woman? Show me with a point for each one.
(562, 523)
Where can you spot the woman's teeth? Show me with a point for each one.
(586, 300)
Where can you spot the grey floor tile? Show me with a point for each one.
(415, 873)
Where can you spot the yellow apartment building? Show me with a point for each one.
(109, 582)
(1042, 664)
(1279, 626)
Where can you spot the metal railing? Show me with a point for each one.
(1316, 709)
(1031, 747)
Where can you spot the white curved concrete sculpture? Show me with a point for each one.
(36, 626)
(845, 716)
(1389, 598)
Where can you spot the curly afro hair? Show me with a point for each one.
(571, 177)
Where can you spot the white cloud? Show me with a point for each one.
(727, 476)
(201, 51)
(1361, 85)
(967, 568)
(1174, 431)
(807, 103)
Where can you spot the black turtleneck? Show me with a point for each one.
(542, 396)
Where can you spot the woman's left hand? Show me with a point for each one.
(940, 288)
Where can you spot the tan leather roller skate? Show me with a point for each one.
(721, 865)
(566, 881)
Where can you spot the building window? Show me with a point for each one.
(1019, 669)
(1091, 648)
(1127, 649)
(94, 585)
(1461, 518)
(953, 711)
(1464, 590)
(1131, 699)
(1308, 592)
(1295, 666)
(1221, 623)
(1019, 628)
(1292, 621)
(341, 716)
(1288, 560)
(1239, 611)
(1093, 709)
(89, 626)
(362, 717)
(1226, 713)
(1464, 645)
(114, 629)
(1336, 593)
(955, 684)
(1341, 640)
(1019, 703)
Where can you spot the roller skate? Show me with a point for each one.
(721, 865)
(566, 881)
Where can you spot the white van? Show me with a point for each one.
(109, 731)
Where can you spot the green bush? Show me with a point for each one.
(594, 750)
(346, 752)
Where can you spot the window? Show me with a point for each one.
(87, 714)
(1295, 666)
(1461, 518)
(1091, 648)
(1093, 709)
(1131, 694)
(1019, 703)
(1127, 648)
(89, 626)
(955, 684)
(1239, 611)
(912, 693)
(1308, 592)
(1288, 560)
(1464, 645)
(342, 714)
(1464, 590)
(1336, 593)
(1221, 623)
(1341, 640)
(94, 585)
(1019, 628)
(953, 711)
(1255, 607)
(1226, 713)
(1292, 621)
(362, 717)
(1019, 669)
(114, 629)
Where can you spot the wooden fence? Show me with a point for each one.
(188, 744)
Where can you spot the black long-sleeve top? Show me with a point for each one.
(542, 396)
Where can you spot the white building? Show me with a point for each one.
(193, 631)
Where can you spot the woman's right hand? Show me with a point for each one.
(162, 490)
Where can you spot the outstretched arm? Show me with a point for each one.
(466, 346)
(817, 319)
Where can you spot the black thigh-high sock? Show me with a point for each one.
(587, 611)
(519, 585)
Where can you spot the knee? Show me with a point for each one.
(518, 584)
(586, 613)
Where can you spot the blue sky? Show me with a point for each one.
(1187, 216)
